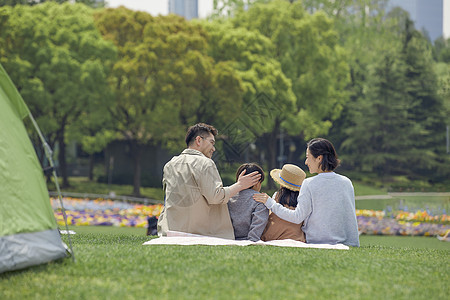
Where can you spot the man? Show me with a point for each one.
(195, 199)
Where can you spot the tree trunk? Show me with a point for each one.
(91, 167)
(62, 160)
(136, 151)
(271, 144)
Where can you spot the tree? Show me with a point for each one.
(399, 117)
(94, 130)
(363, 33)
(250, 53)
(307, 48)
(164, 80)
(441, 50)
(429, 108)
(383, 133)
(58, 61)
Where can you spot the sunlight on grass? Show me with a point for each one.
(114, 264)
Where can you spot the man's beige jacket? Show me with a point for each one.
(195, 199)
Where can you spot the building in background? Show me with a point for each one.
(185, 8)
(432, 17)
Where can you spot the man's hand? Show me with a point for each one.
(247, 181)
(244, 182)
(261, 197)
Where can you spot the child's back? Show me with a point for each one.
(249, 218)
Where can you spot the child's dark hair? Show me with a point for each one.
(287, 197)
(320, 146)
(250, 168)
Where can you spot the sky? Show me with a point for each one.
(156, 7)
(447, 18)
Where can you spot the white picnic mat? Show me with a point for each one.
(182, 238)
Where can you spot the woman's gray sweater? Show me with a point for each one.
(326, 204)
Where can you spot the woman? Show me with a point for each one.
(290, 179)
(326, 203)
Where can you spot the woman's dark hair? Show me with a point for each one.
(199, 129)
(320, 146)
(287, 197)
(250, 168)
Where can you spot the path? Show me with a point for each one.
(392, 195)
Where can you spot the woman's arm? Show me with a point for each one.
(303, 209)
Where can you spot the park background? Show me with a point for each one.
(114, 91)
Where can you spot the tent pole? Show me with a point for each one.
(49, 154)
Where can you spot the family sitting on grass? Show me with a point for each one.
(318, 210)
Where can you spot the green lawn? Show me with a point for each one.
(362, 189)
(113, 264)
(365, 240)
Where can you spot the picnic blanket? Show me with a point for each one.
(183, 238)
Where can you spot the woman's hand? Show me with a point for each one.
(261, 197)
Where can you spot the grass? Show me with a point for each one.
(113, 264)
(362, 189)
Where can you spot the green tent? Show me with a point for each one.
(29, 234)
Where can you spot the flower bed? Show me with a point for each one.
(419, 223)
(418, 216)
(81, 212)
(115, 213)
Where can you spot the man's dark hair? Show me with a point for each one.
(199, 129)
(320, 146)
(250, 168)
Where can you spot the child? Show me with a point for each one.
(249, 218)
(290, 179)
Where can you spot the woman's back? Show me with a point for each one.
(326, 203)
(330, 198)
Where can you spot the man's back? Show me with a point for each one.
(195, 199)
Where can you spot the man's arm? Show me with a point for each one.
(212, 189)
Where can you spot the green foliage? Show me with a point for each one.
(378, 146)
(395, 115)
(307, 48)
(298, 66)
(268, 97)
(337, 68)
(164, 80)
(441, 50)
(59, 63)
(115, 265)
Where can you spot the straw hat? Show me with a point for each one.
(290, 177)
